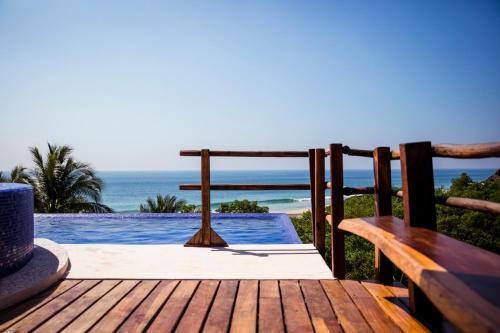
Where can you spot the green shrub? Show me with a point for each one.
(190, 209)
(479, 229)
(243, 206)
(359, 252)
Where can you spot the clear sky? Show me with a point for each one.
(130, 83)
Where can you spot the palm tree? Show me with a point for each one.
(17, 175)
(63, 185)
(166, 204)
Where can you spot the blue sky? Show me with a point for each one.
(130, 83)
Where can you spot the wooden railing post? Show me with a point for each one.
(383, 206)
(419, 211)
(312, 170)
(337, 210)
(206, 236)
(319, 209)
(205, 197)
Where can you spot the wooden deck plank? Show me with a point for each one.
(217, 306)
(45, 312)
(169, 315)
(198, 307)
(87, 319)
(114, 318)
(401, 292)
(294, 308)
(373, 313)
(245, 309)
(270, 313)
(72, 311)
(220, 313)
(394, 308)
(319, 308)
(12, 315)
(142, 316)
(348, 315)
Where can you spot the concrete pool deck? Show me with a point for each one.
(166, 261)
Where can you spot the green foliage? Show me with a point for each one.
(18, 174)
(163, 204)
(243, 206)
(190, 209)
(63, 185)
(479, 229)
(359, 252)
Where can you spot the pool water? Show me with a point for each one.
(163, 228)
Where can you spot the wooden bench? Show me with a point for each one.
(461, 280)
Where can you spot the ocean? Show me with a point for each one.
(125, 190)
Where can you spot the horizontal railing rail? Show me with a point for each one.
(483, 206)
(460, 151)
(468, 151)
(246, 187)
(252, 153)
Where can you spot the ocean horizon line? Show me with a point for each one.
(253, 170)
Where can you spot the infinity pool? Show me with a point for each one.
(163, 228)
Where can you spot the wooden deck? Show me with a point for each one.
(213, 306)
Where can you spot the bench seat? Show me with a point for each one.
(461, 280)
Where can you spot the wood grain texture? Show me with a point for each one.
(467, 151)
(234, 153)
(245, 308)
(480, 150)
(92, 315)
(38, 317)
(400, 292)
(312, 189)
(396, 310)
(246, 187)
(12, 315)
(320, 311)
(194, 316)
(319, 195)
(478, 205)
(418, 185)
(372, 312)
(461, 280)
(270, 313)
(72, 311)
(206, 225)
(170, 314)
(419, 211)
(337, 208)
(219, 316)
(348, 315)
(214, 306)
(354, 152)
(206, 236)
(117, 315)
(383, 206)
(143, 315)
(294, 308)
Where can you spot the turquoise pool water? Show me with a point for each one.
(163, 228)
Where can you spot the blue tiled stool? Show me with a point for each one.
(16, 226)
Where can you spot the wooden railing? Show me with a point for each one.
(418, 196)
(419, 200)
(206, 236)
